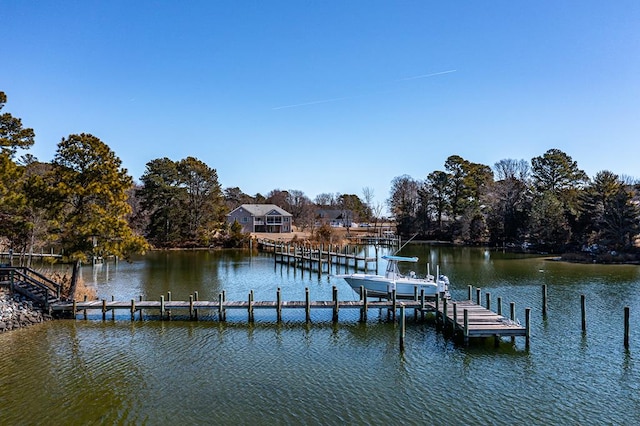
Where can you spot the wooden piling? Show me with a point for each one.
(74, 308)
(365, 308)
(133, 309)
(444, 314)
(466, 326)
(470, 291)
(544, 300)
(402, 327)
(84, 311)
(161, 307)
(169, 310)
(393, 299)
(335, 304)
(422, 304)
(478, 296)
(626, 327)
(195, 299)
(278, 305)
(527, 325)
(191, 307)
(250, 308)
(499, 306)
(583, 312)
(455, 317)
(220, 307)
(140, 309)
(113, 311)
(307, 305)
(488, 300)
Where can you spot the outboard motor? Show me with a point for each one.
(443, 286)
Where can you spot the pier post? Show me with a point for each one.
(161, 307)
(466, 327)
(220, 308)
(307, 305)
(191, 306)
(422, 304)
(195, 311)
(113, 311)
(478, 296)
(527, 324)
(583, 312)
(362, 303)
(84, 311)
(366, 304)
(470, 291)
(444, 315)
(512, 318)
(544, 300)
(402, 327)
(133, 309)
(626, 327)
(335, 304)
(169, 310)
(437, 310)
(455, 317)
(250, 309)
(488, 300)
(394, 297)
(74, 308)
(104, 309)
(499, 305)
(140, 309)
(278, 305)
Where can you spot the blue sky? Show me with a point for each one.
(328, 96)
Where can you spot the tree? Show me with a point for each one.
(549, 227)
(557, 173)
(300, 207)
(163, 200)
(12, 134)
(435, 195)
(204, 203)
(508, 202)
(608, 213)
(89, 190)
(234, 197)
(403, 203)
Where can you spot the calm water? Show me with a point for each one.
(181, 372)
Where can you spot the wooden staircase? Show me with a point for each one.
(31, 284)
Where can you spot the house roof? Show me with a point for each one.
(262, 210)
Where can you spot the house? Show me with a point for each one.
(334, 218)
(262, 218)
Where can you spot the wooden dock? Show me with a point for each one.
(464, 318)
(314, 257)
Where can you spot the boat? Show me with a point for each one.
(405, 285)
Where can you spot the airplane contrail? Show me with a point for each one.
(427, 75)
(322, 101)
(314, 102)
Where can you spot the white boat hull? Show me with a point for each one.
(379, 286)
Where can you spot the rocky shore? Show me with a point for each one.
(16, 312)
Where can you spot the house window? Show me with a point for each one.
(286, 220)
(274, 220)
(245, 219)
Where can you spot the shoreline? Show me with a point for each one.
(16, 312)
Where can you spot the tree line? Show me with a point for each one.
(86, 204)
(548, 203)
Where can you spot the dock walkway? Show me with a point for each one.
(464, 318)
